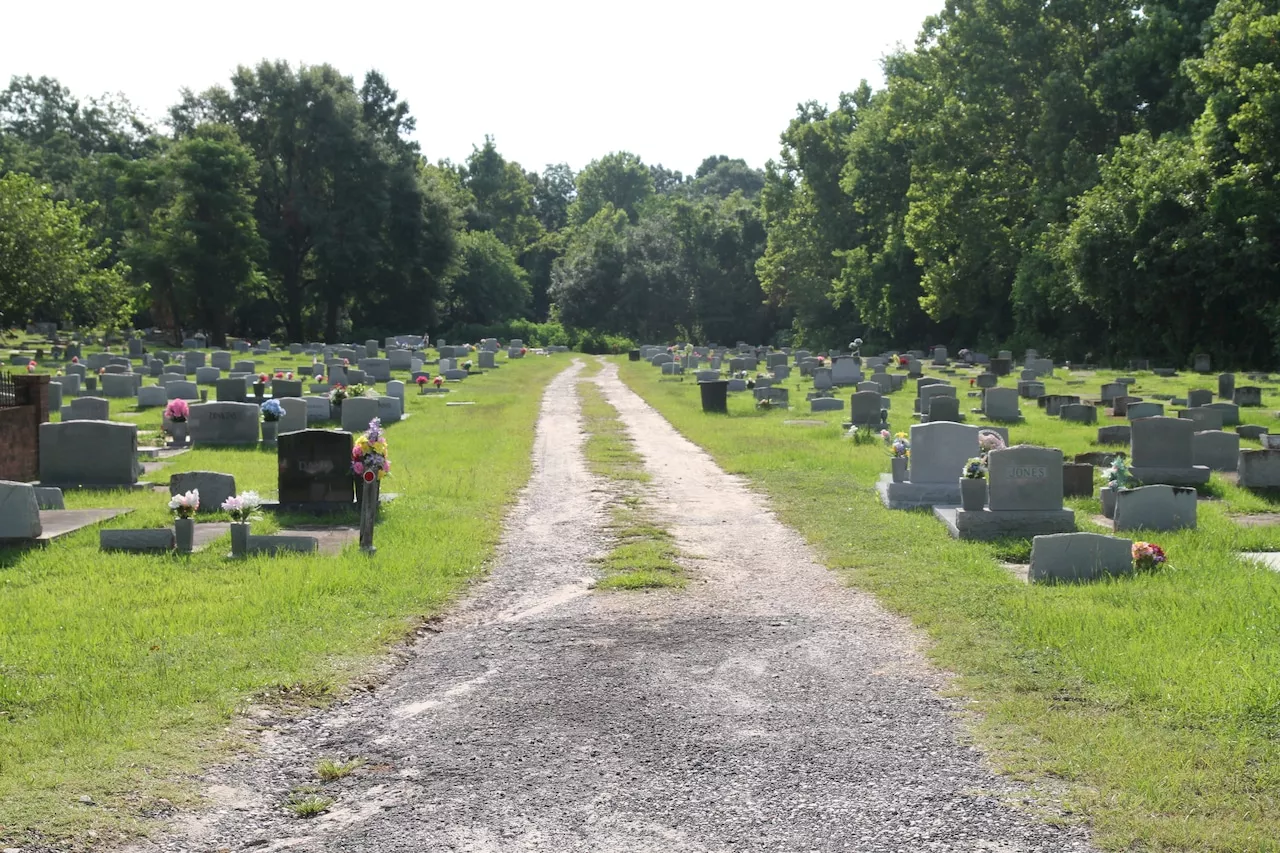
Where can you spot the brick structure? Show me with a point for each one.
(20, 427)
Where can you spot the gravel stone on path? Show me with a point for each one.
(766, 707)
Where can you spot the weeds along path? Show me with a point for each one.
(762, 708)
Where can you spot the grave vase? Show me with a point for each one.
(91, 383)
(178, 429)
(239, 538)
(184, 531)
(899, 464)
(368, 514)
(259, 390)
(1107, 495)
(269, 430)
(973, 494)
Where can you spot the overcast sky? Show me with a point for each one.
(551, 81)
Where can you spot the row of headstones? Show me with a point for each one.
(103, 453)
(1024, 497)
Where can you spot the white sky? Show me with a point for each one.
(552, 81)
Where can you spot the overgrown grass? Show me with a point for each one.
(119, 673)
(1155, 697)
(644, 556)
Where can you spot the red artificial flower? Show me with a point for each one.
(279, 374)
(438, 380)
(422, 380)
(75, 359)
(973, 382)
(369, 476)
(262, 377)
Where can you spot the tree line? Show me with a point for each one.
(295, 203)
(1092, 178)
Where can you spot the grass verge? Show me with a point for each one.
(644, 556)
(120, 673)
(1155, 697)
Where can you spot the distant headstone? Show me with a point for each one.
(223, 423)
(152, 396)
(1133, 411)
(294, 417)
(1203, 417)
(89, 409)
(207, 375)
(230, 390)
(1247, 395)
(1000, 404)
(1226, 386)
(357, 412)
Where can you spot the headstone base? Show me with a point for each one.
(909, 495)
(985, 525)
(1196, 475)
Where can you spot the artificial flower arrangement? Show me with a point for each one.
(75, 359)
(272, 411)
(357, 390)
(764, 404)
(337, 394)
(975, 468)
(1147, 556)
(466, 365)
(989, 441)
(279, 374)
(899, 446)
(177, 411)
(369, 460)
(422, 382)
(242, 506)
(102, 371)
(31, 366)
(346, 362)
(438, 381)
(1117, 474)
(185, 505)
(262, 378)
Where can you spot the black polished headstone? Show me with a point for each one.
(315, 470)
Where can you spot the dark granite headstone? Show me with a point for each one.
(315, 468)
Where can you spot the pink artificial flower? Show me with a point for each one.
(358, 467)
(75, 359)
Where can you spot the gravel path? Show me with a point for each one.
(764, 708)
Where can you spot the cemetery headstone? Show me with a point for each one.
(1078, 557)
(214, 424)
(215, 487)
(1155, 507)
(1247, 395)
(1161, 452)
(88, 453)
(19, 512)
(315, 470)
(1226, 386)
(1217, 450)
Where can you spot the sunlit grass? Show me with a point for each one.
(119, 673)
(1155, 697)
(644, 555)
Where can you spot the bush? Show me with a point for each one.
(541, 335)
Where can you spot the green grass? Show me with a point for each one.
(119, 674)
(1154, 697)
(307, 801)
(329, 769)
(644, 556)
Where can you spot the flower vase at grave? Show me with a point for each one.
(184, 530)
(239, 538)
(1107, 495)
(269, 430)
(899, 469)
(368, 514)
(178, 429)
(91, 383)
(973, 493)
(259, 391)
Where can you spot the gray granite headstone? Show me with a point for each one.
(19, 511)
(1024, 477)
(1158, 507)
(940, 450)
(89, 409)
(1078, 557)
(182, 390)
(89, 453)
(223, 423)
(214, 488)
(152, 396)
